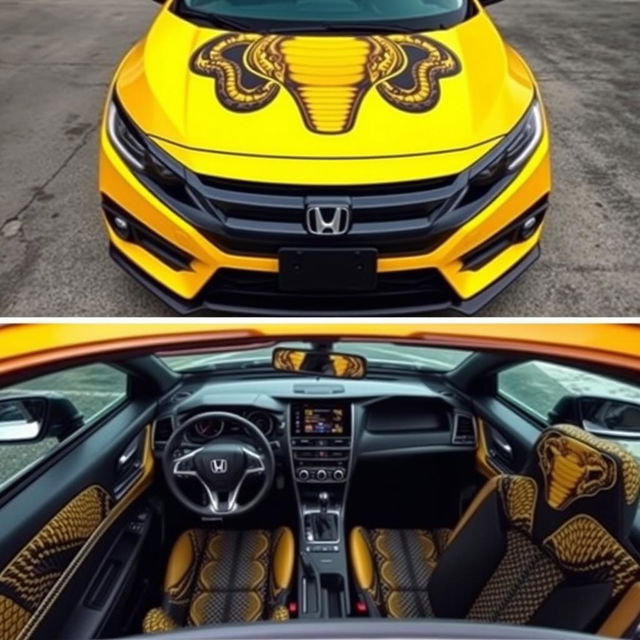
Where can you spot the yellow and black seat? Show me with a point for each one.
(393, 567)
(225, 576)
(549, 547)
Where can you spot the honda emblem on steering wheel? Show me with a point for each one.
(219, 465)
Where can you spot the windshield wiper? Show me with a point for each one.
(344, 27)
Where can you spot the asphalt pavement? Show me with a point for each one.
(56, 60)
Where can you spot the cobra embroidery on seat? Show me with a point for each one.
(630, 467)
(573, 469)
(34, 572)
(583, 545)
(519, 495)
(327, 77)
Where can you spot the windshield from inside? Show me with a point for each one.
(396, 15)
(380, 355)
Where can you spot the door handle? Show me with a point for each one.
(501, 451)
(505, 448)
(127, 455)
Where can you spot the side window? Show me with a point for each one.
(39, 414)
(551, 393)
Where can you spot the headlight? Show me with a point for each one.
(125, 138)
(513, 152)
(137, 150)
(527, 139)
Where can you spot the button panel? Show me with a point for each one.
(322, 548)
(321, 460)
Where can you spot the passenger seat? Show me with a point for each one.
(549, 547)
(393, 566)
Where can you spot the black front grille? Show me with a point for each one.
(396, 219)
(276, 189)
(396, 291)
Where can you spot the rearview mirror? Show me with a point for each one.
(27, 418)
(322, 363)
(601, 415)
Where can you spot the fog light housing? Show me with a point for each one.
(529, 227)
(121, 227)
(518, 231)
(132, 230)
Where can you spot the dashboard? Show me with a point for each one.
(320, 428)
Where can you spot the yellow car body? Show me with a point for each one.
(38, 347)
(263, 130)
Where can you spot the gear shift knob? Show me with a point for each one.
(323, 498)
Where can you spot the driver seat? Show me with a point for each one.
(218, 576)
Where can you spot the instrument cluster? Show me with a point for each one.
(210, 428)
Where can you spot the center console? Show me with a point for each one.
(321, 441)
(321, 444)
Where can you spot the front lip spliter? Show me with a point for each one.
(467, 307)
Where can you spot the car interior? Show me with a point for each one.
(321, 480)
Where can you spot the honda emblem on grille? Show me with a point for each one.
(330, 220)
(219, 465)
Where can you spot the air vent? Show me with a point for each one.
(464, 430)
(180, 396)
(162, 430)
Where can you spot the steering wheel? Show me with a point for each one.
(221, 466)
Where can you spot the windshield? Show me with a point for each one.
(378, 354)
(270, 14)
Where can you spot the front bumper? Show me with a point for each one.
(261, 301)
(437, 279)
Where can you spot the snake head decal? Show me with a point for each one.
(573, 470)
(327, 77)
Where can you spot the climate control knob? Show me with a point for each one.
(303, 474)
(338, 475)
(322, 475)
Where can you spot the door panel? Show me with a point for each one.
(51, 528)
(495, 454)
(33, 575)
(508, 436)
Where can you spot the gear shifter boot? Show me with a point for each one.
(324, 526)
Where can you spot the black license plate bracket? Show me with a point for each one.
(327, 270)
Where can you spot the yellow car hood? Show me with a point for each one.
(324, 96)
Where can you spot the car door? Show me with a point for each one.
(521, 398)
(71, 500)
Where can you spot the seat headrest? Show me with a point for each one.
(577, 472)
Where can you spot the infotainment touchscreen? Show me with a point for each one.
(320, 420)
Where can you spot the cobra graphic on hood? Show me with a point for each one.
(327, 77)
